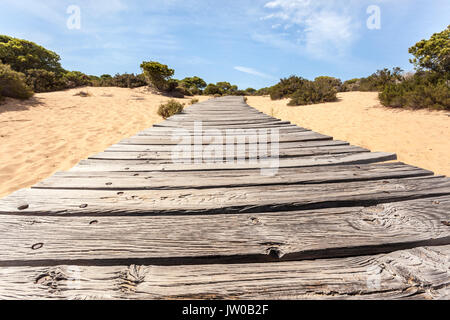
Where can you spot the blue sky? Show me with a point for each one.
(249, 43)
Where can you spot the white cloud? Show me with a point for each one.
(253, 72)
(324, 27)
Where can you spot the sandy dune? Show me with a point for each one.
(54, 131)
(420, 138)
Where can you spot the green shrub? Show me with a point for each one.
(351, 85)
(375, 82)
(194, 101)
(263, 92)
(127, 81)
(75, 79)
(330, 82)
(423, 90)
(286, 87)
(13, 84)
(157, 74)
(314, 92)
(170, 108)
(250, 92)
(194, 85)
(212, 89)
(41, 80)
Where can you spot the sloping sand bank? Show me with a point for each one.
(54, 131)
(419, 137)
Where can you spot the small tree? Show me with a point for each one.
(157, 74)
(23, 55)
(212, 89)
(193, 83)
(224, 87)
(250, 91)
(433, 54)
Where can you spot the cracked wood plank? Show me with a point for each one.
(282, 146)
(272, 164)
(230, 178)
(225, 238)
(268, 198)
(418, 273)
(181, 138)
(221, 153)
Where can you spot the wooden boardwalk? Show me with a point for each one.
(335, 222)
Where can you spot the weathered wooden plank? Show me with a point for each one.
(282, 146)
(223, 121)
(419, 273)
(221, 200)
(214, 179)
(221, 238)
(177, 139)
(272, 125)
(211, 155)
(221, 118)
(158, 131)
(146, 165)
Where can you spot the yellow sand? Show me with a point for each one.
(420, 137)
(54, 131)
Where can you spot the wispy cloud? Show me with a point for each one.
(253, 72)
(320, 28)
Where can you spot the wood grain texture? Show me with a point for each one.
(224, 238)
(268, 198)
(164, 165)
(228, 178)
(221, 154)
(282, 146)
(181, 138)
(419, 273)
(324, 221)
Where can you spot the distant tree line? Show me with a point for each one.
(26, 67)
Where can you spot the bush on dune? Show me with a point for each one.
(170, 108)
(423, 90)
(314, 92)
(430, 86)
(128, 81)
(212, 90)
(303, 92)
(375, 82)
(13, 84)
(157, 74)
(74, 79)
(286, 87)
(23, 55)
(194, 85)
(41, 80)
